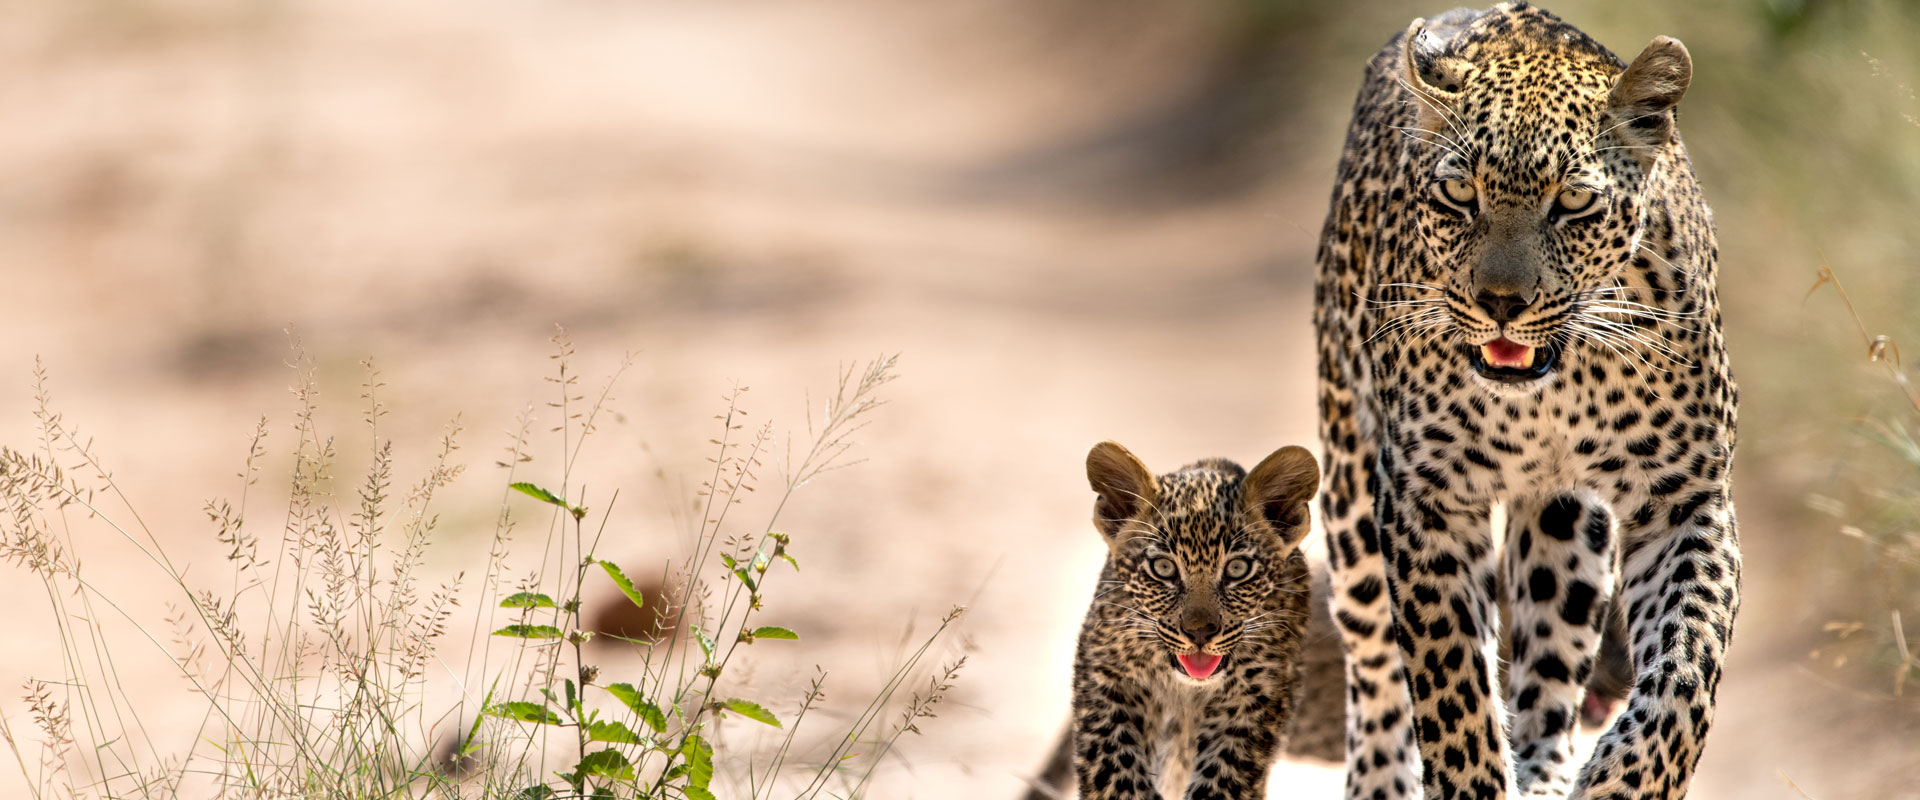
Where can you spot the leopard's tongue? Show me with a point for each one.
(1199, 665)
(1504, 352)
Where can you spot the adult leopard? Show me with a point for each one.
(1516, 310)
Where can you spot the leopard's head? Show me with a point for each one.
(1539, 156)
(1198, 553)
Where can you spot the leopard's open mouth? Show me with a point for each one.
(1198, 666)
(1507, 361)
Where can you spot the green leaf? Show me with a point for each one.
(545, 496)
(607, 764)
(774, 632)
(647, 711)
(706, 644)
(626, 586)
(527, 600)
(526, 712)
(699, 757)
(752, 585)
(612, 731)
(752, 710)
(535, 792)
(529, 632)
(473, 744)
(697, 793)
(538, 493)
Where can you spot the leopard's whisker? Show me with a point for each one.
(1663, 259)
(1430, 138)
(1620, 347)
(1446, 114)
(1409, 321)
(1629, 334)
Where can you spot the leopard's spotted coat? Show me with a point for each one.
(1508, 182)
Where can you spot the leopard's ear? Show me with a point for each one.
(1280, 489)
(1125, 487)
(1432, 75)
(1640, 108)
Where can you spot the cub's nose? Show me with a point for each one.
(1201, 632)
(1502, 307)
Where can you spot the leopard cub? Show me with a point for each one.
(1188, 661)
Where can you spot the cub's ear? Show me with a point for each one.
(1640, 108)
(1431, 74)
(1125, 487)
(1279, 490)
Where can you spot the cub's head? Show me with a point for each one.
(1197, 554)
(1538, 166)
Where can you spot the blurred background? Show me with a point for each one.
(1075, 220)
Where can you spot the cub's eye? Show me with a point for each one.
(1456, 192)
(1239, 568)
(1571, 201)
(1163, 568)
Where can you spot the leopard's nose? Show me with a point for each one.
(1501, 306)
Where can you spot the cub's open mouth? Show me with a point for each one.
(1198, 665)
(1508, 361)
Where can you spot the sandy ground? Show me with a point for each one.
(739, 193)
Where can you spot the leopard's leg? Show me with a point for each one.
(1440, 574)
(1682, 590)
(1559, 554)
(1112, 737)
(1382, 762)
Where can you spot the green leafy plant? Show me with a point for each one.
(312, 663)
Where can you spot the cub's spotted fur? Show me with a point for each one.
(1317, 730)
(1188, 662)
(1516, 307)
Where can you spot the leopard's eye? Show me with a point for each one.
(1457, 193)
(1571, 201)
(1239, 568)
(1163, 568)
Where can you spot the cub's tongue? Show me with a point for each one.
(1199, 665)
